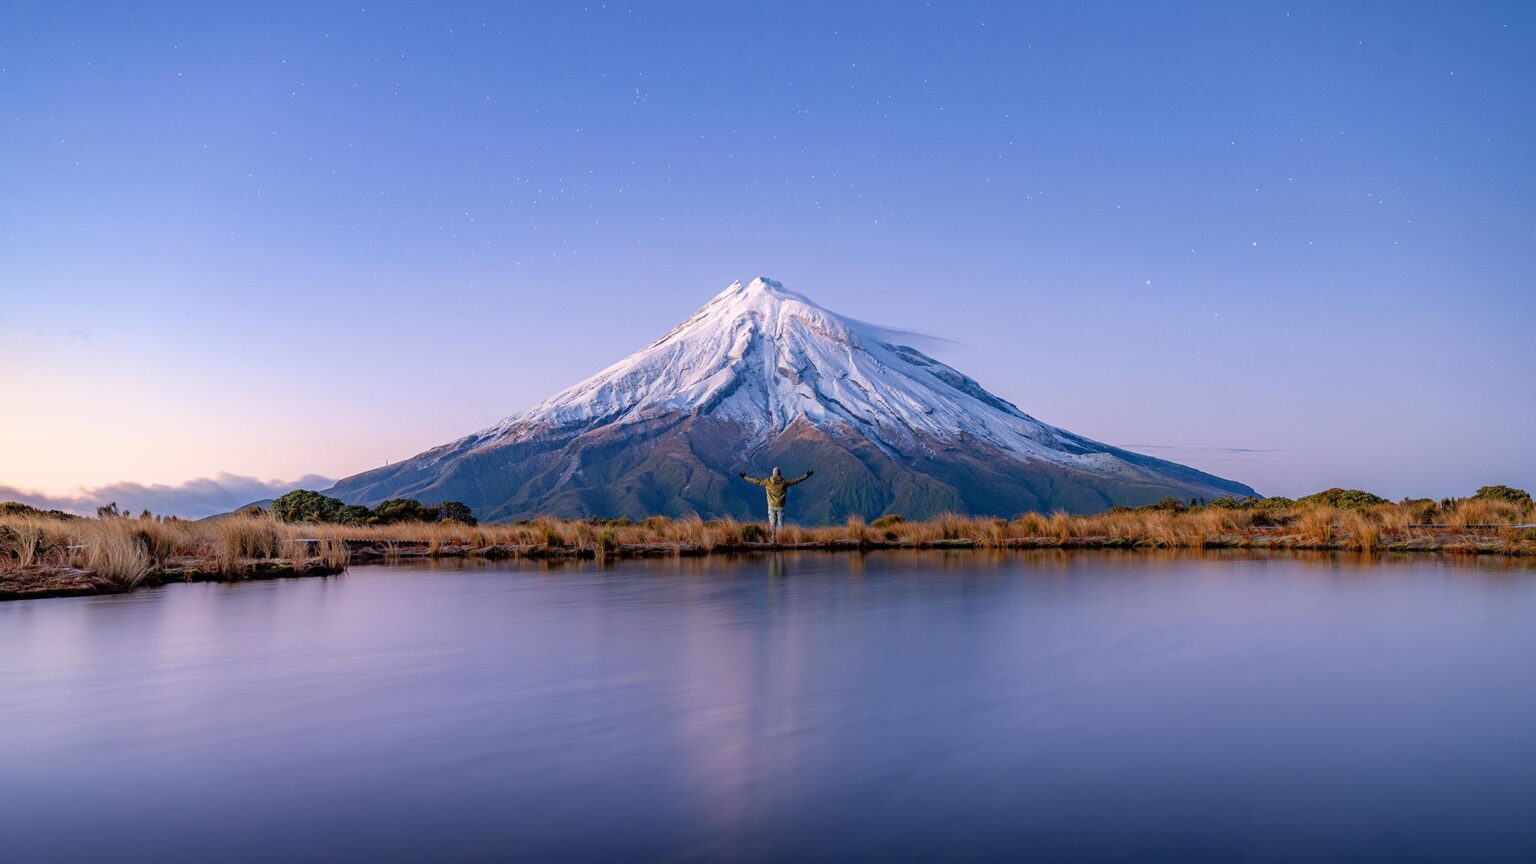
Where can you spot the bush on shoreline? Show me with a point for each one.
(303, 505)
(1344, 499)
(1504, 493)
(16, 508)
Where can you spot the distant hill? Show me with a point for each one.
(265, 504)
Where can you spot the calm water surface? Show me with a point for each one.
(1095, 707)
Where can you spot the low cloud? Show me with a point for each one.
(193, 499)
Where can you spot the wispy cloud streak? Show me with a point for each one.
(1213, 454)
(1173, 448)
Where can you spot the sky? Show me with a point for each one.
(1290, 244)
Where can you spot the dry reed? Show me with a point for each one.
(116, 552)
(238, 540)
(127, 549)
(1363, 530)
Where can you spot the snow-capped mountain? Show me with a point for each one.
(762, 376)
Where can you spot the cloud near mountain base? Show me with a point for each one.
(194, 499)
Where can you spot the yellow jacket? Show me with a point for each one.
(777, 486)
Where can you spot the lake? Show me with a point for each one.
(800, 706)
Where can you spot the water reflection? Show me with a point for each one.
(1050, 704)
(781, 563)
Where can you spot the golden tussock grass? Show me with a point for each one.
(26, 542)
(238, 540)
(127, 549)
(1394, 518)
(115, 550)
(1362, 529)
(1315, 524)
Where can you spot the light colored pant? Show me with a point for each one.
(775, 519)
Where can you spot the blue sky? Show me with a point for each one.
(1287, 243)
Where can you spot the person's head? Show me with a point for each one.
(775, 471)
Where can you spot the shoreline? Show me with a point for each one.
(45, 581)
(369, 552)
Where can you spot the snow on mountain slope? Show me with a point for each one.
(763, 356)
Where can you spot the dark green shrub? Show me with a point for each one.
(1228, 502)
(1504, 493)
(888, 520)
(621, 522)
(401, 510)
(1345, 499)
(1272, 511)
(753, 533)
(16, 508)
(352, 514)
(456, 511)
(303, 505)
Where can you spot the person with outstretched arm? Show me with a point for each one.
(778, 489)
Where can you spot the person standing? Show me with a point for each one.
(778, 490)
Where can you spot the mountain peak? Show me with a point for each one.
(763, 357)
(761, 286)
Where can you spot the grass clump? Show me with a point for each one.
(116, 552)
(25, 541)
(1362, 529)
(239, 540)
(1316, 525)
